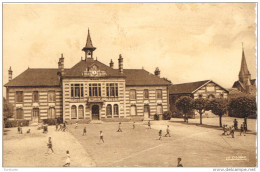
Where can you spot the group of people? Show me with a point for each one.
(231, 130)
(61, 126)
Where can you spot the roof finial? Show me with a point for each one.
(242, 46)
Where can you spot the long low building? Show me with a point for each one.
(206, 89)
(88, 90)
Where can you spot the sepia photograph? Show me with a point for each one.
(129, 85)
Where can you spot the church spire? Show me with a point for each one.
(244, 74)
(89, 48)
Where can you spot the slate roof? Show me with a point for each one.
(141, 77)
(237, 83)
(49, 77)
(186, 88)
(36, 77)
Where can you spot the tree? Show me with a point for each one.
(184, 104)
(219, 107)
(201, 105)
(7, 110)
(243, 106)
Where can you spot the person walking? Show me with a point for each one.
(167, 131)
(149, 124)
(119, 127)
(49, 145)
(242, 129)
(101, 137)
(84, 131)
(235, 124)
(160, 134)
(232, 132)
(67, 163)
(76, 125)
(179, 163)
(57, 126)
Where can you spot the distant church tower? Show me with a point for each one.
(245, 83)
(89, 48)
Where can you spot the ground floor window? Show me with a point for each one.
(19, 113)
(115, 109)
(81, 112)
(73, 112)
(51, 113)
(133, 110)
(109, 109)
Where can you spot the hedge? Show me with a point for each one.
(50, 121)
(15, 123)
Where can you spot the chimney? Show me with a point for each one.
(10, 74)
(120, 63)
(157, 72)
(111, 64)
(61, 65)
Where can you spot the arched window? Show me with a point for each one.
(115, 109)
(51, 112)
(19, 113)
(211, 96)
(109, 109)
(133, 110)
(73, 112)
(81, 112)
(159, 109)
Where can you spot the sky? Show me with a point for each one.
(188, 42)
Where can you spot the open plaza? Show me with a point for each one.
(197, 145)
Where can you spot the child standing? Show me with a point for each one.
(101, 136)
(67, 164)
(84, 131)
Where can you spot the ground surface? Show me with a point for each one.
(197, 145)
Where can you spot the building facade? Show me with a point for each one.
(207, 89)
(89, 90)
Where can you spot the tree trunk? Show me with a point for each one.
(200, 118)
(220, 120)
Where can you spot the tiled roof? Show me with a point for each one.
(81, 66)
(49, 77)
(186, 88)
(36, 77)
(142, 77)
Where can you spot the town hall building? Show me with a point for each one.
(89, 90)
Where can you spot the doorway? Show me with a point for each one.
(146, 111)
(35, 115)
(95, 112)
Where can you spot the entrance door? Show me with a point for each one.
(146, 111)
(95, 112)
(35, 115)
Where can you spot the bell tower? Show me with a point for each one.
(89, 48)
